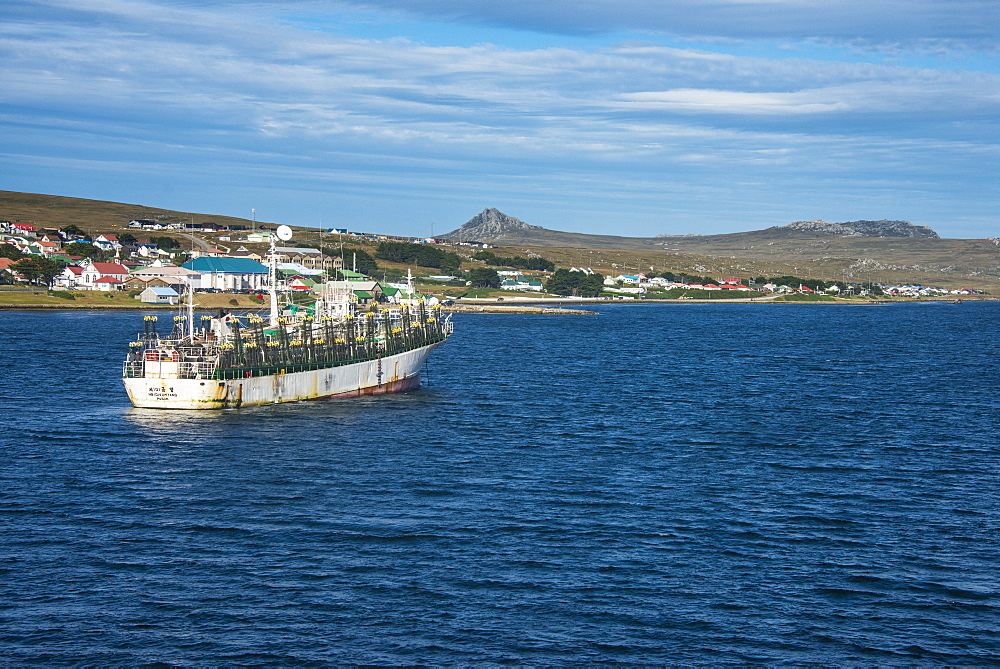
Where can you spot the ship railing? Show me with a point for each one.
(196, 370)
(136, 369)
(133, 370)
(293, 367)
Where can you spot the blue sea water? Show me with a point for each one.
(661, 484)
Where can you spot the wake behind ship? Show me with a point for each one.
(333, 347)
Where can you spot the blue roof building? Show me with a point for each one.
(226, 265)
(229, 273)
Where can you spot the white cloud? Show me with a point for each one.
(969, 22)
(736, 102)
(104, 80)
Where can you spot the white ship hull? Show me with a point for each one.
(393, 373)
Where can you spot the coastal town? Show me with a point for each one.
(156, 270)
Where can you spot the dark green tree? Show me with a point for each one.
(590, 285)
(422, 255)
(355, 257)
(84, 249)
(10, 251)
(127, 238)
(165, 243)
(517, 262)
(578, 284)
(484, 277)
(34, 269)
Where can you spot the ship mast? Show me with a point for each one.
(272, 285)
(190, 307)
(284, 233)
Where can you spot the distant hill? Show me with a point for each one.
(881, 228)
(494, 226)
(491, 224)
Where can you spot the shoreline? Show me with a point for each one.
(550, 306)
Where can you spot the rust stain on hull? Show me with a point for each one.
(394, 386)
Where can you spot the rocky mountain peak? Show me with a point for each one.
(883, 228)
(490, 224)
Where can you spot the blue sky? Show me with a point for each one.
(411, 116)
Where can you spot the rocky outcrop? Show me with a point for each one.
(488, 225)
(883, 228)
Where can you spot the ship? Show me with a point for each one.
(332, 346)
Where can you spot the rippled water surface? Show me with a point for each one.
(696, 484)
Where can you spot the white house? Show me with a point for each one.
(107, 242)
(70, 277)
(95, 271)
(107, 284)
(159, 295)
(521, 283)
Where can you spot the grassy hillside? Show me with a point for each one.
(94, 216)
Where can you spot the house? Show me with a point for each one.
(228, 273)
(107, 242)
(46, 248)
(364, 290)
(7, 272)
(159, 295)
(71, 277)
(177, 278)
(107, 284)
(143, 282)
(521, 283)
(301, 284)
(310, 258)
(145, 249)
(26, 229)
(350, 275)
(94, 271)
(243, 252)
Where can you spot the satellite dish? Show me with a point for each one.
(284, 233)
